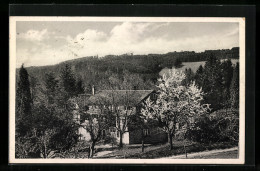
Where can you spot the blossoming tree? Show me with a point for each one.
(175, 103)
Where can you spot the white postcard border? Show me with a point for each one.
(12, 70)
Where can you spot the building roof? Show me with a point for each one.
(116, 97)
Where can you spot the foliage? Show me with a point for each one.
(189, 77)
(79, 86)
(26, 147)
(177, 63)
(68, 82)
(234, 88)
(199, 76)
(162, 150)
(24, 103)
(220, 126)
(212, 83)
(175, 103)
(110, 139)
(95, 123)
(116, 100)
(96, 71)
(51, 128)
(51, 86)
(44, 142)
(227, 73)
(45, 106)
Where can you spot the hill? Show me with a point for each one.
(97, 71)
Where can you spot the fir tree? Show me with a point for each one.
(199, 76)
(79, 86)
(212, 82)
(227, 73)
(177, 63)
(234, 88)
(51, 85)
(24, 103)
(189, 77)
(68, 82)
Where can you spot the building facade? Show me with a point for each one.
(121, 101)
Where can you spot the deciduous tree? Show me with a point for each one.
(95, 124)
(175, 103)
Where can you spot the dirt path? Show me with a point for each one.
(102, 153)
(205, 154)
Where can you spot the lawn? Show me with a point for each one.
(221, 155)
(152, 151)
(161, 150)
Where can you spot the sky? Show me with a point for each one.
(40, 43)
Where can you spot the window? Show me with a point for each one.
(177, 126)
(153, 96)
(103, 133)
(117, 134)
(146, 132)
(112, 129)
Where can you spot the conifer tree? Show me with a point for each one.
(68, 82)
(234, 88)
(51, 85)
(227, 73)
(189, 77)
(24, 103)
(212, 82)
(199, 76)
(79, 86)
(177, 63)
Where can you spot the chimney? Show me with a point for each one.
(93, 90)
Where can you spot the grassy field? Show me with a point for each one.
(193, 66)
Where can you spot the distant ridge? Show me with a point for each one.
(95, 70)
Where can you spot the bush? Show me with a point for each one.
(26, 147)
(220, 126)
(109, 139)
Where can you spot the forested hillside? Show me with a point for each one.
(144, 69)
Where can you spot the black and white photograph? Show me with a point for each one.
(154, 90)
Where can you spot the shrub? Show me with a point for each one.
(109, 139)
(220, 126)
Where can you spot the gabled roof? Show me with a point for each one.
(119, 97)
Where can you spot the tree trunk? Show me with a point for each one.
(121, 140)
(45, 151)
(170, 140)
(142, 145)
(92, 148)
(185, 151)
(142, 141)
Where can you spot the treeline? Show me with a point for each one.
(46, 110)
(219, 81)
(44, 120)
(96, 71)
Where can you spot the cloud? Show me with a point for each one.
(35, 35)
(232, 32)
(127, 37)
